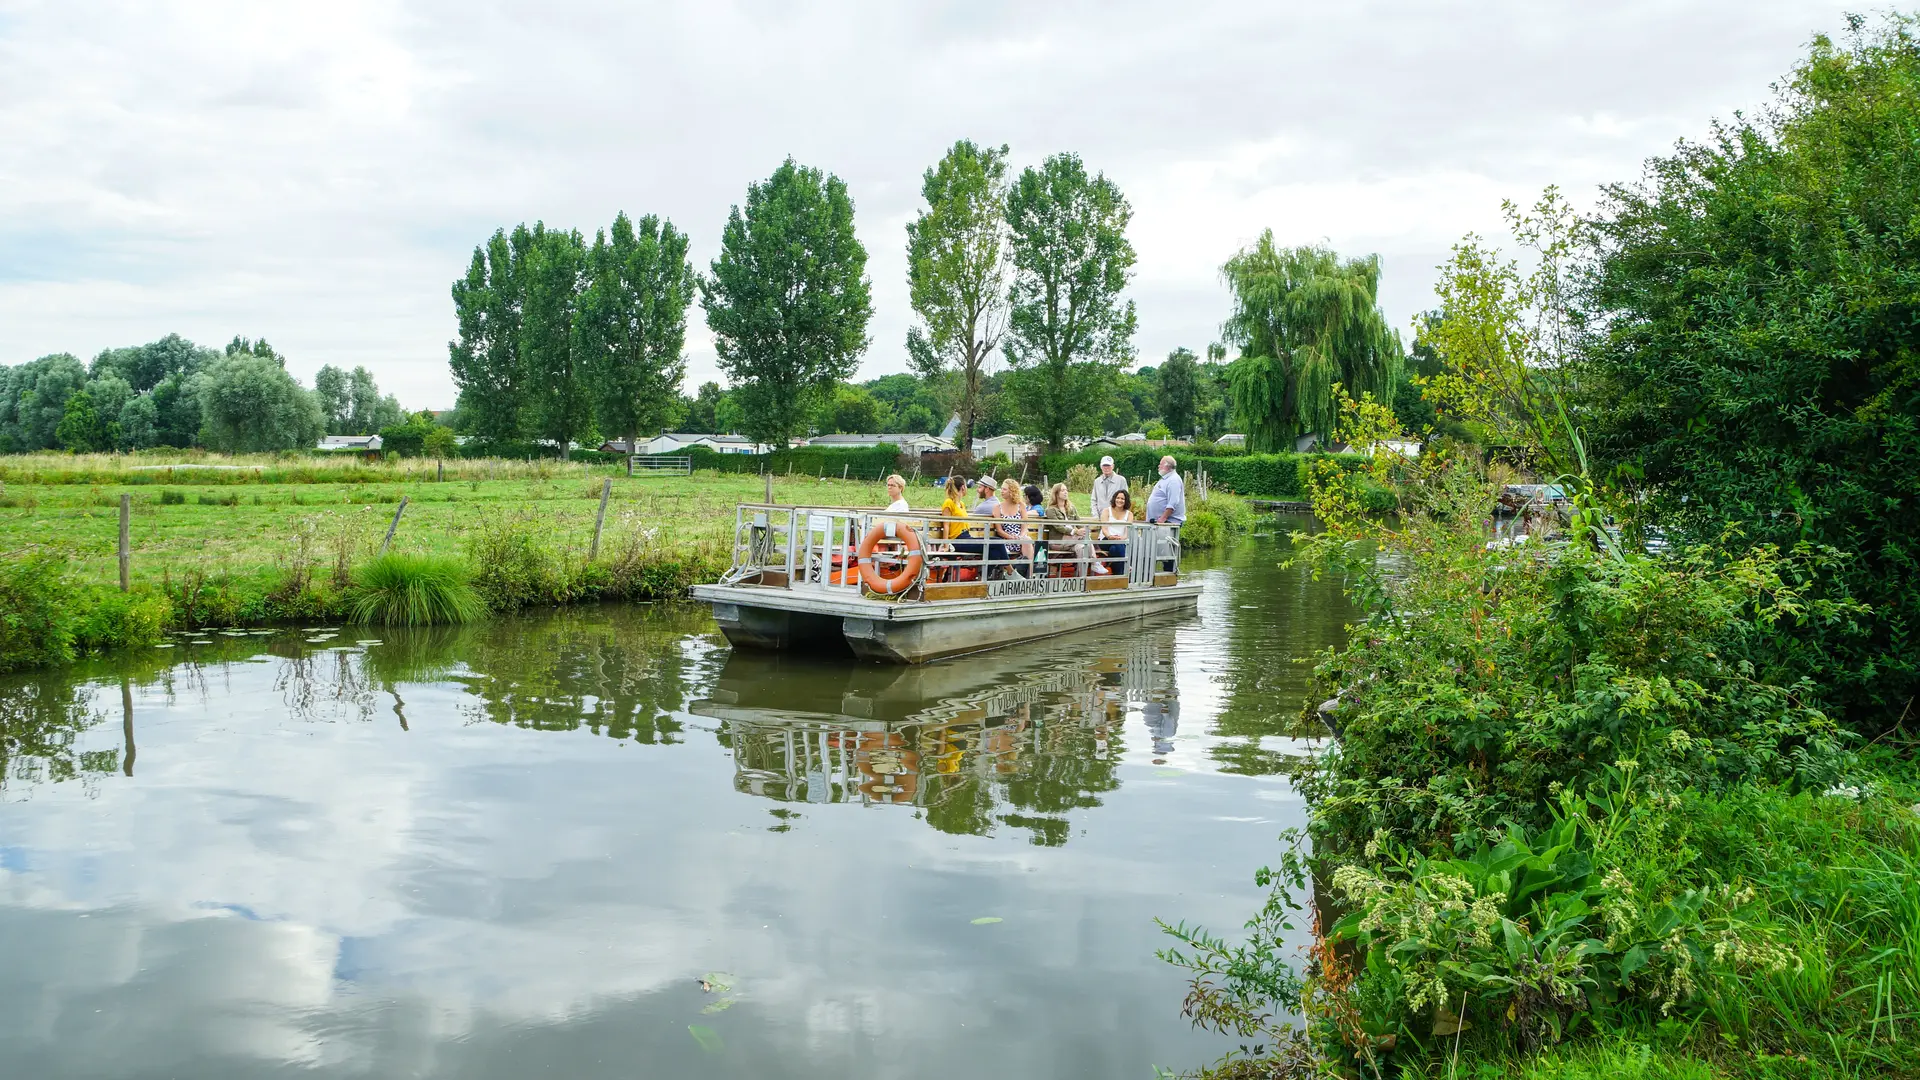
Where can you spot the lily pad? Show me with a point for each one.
(986, 920)
(708, 1038)
(719, 1006)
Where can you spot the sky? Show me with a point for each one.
(317, 174)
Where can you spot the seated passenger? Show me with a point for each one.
(1065, 543)
(1113, 533)
(897, 494)
(1013, 547)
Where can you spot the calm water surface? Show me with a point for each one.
(517, 850)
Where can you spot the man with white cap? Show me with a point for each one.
(1104, 486)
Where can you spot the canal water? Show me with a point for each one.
(596, 843)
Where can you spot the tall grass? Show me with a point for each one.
(413, 590)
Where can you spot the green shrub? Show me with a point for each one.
(413, 590)
(37, 617)
(116, 620)
(1202, 530)
(170, 497)
(513, 567)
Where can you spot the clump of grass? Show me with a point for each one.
(170, 497)
(413, 590)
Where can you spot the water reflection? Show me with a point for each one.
(511, 849)
(1036, 730)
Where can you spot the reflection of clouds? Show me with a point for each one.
(284, 881)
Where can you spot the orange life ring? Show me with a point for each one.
(870, 572)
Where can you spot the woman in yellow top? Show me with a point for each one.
(954, 508)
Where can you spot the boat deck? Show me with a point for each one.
(808, 578)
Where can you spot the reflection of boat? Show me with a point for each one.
(1049, 716)
(797, 583)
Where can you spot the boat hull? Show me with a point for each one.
(754, 617)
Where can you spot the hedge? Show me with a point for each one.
(857, 462)
(1260, 476)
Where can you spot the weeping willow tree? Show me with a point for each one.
(1304, 321)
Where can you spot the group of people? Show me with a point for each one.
(1008, 542)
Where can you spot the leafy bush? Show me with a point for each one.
(1080, 478)
(1739, 386)
(116, 620)
(37, 617)
(1536, 667)
(513, 567)
(1202, 530)
(413, 590)
(170, 497)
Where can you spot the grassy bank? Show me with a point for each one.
(242, 541)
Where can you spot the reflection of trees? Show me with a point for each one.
(1279, 615)
(619, 671)
(42, 717)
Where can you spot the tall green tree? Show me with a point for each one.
(485, 358)
(852, 410)
(957, 266)
(632, 327)
(1758, 359)
(788, 299)
(143, 366)
(701, 408)
(553, 363)
(1068, 332)
(80, 429)
(139, 422)
(177, 412)
(1304, 320)
(331, 390)
(33, 400)
(249, 403)
(1179, 395)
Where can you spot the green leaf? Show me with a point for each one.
(708, 1038)
(986, 920)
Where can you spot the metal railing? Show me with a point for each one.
(658, 465)
(817, 548)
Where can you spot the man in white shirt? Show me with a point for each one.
(1104, 486)
(1168, 503)
(1168, 506)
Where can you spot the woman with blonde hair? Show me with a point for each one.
(1010, 529)
(1065, 542)
(897, 491)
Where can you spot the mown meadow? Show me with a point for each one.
(221, 540)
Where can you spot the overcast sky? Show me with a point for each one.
(318, 173)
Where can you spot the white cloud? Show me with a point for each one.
(317, 173)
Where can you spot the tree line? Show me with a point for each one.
(559, 338)
(174, 393)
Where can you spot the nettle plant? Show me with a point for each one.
(1487, 675)
(1522, 941)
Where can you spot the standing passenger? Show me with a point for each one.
(1104, 486)
(1167, 506)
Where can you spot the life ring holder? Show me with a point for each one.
(870, 575)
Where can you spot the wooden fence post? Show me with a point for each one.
(439, 470)
(768, 477)
(126, 539)
(600, 519)
(397, 511)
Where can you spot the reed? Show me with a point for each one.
(403, 589)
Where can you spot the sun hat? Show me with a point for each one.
(1108, 460)
(986, 481)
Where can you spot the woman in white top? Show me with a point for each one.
(897, 491)
(1113, 531)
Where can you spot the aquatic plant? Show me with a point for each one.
(413, 590)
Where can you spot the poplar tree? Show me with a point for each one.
(957, 271)
(554, 393)
(1068, 332)
(788, 299)
(485, 358)
(632, 325)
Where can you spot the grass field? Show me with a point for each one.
(253, 522)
